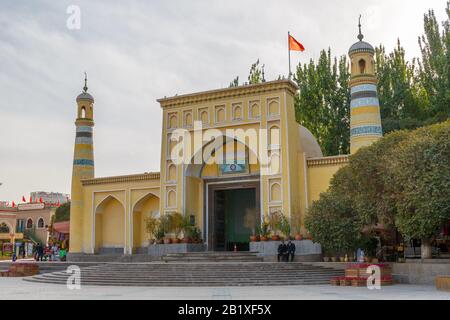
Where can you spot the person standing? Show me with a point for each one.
(39, 252)
(282, 251)
(291, 250)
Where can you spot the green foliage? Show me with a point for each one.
(332, 223)
(402, 180)
(160, 232)
(422, 181)
(176, 223)
(284, 226)
(62, 213)
(323, 102)
(264, 229)
(195, 234)
(151, 225)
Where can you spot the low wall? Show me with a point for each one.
(306, 250)
(159, 250)
(419, 272)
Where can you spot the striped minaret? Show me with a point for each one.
(365, 120)
(83, 165)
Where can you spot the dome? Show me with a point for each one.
(308, 143)
(361, 46)
(85, 96)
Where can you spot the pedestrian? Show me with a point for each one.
(39, 252)
(291, 250)
(282, 251)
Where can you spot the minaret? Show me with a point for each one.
(365, 120)
(83, 165)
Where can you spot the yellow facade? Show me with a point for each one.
(108, 214)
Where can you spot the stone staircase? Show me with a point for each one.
(226, 256)
(197, 274)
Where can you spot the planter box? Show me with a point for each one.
(306, 250)
(159, 250)
(335, 281)
(443, 283)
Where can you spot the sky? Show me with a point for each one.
(138, 51)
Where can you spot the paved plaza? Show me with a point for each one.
(16, 288)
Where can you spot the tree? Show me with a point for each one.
(62, 213)
(323, 102)
(402, 181)
(332, 223)
(434, 67)
(421, 184)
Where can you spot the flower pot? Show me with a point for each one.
(326, 259)
(298, 237)
(186, 240)
(263, 238)
(161, 241)
(341, 259)
(334, 259)
(253, 238)
(176, 240)
(275, 238)
(167, 241)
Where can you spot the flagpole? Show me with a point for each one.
(289, 55)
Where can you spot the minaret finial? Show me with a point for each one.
(85, 88)
(360, 35)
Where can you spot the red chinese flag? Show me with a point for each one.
(294, 45)
(13, 204)
(23, 199)
(31, 200)
(40, 200)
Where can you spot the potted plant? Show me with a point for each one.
(160, 234)
(264, 231)
(256, 234)
(151, 225)
(175, 225)
(274, 222)
(186, 226)
(284, 226)
(299, 237)
(195, 235)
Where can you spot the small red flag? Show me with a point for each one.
(13, 204)
(294, 45)
(23, 199)
(40, 200)
(31, 200)
(59, 204)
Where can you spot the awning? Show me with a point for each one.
(62, 227)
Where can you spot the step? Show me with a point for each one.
(197, 274)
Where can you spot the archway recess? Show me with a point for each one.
(109, 226)
(147, 206)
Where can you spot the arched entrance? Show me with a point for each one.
(145, 207)
(110, 227)
(226, 192)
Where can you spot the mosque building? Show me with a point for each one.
(225, 199)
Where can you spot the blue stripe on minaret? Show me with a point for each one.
(83, 162)
(84, 129)
(366, 130)
(364, 102)
(363, 87)
(84, 140)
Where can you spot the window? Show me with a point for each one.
(29, 223)
(4, 228)
(40, 223)
(362, 66)
(20, 226)
(83, 112)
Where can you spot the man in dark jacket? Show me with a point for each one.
(39, 252)
(291, 250)
(282, 251)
